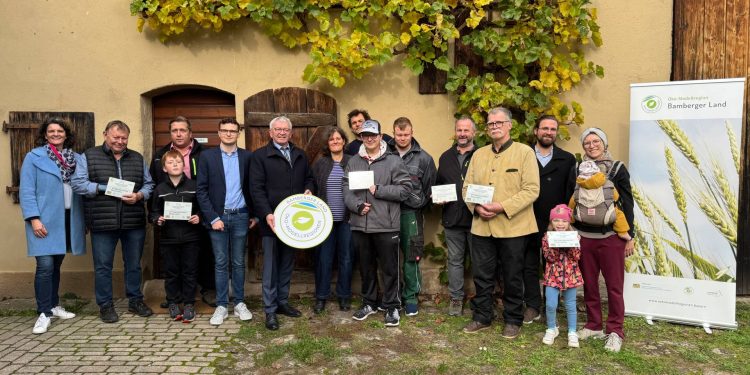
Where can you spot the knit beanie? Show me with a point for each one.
(599, 133)
(560, 211)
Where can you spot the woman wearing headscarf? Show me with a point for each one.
(603, 251)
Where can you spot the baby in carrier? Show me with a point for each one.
(595, 201)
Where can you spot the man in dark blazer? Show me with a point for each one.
(556, 185)
(278, 170)
(225, 202)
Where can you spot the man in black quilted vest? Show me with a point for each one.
(111, 219)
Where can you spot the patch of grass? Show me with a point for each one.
(306, 349)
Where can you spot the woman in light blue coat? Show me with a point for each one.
(53, 215)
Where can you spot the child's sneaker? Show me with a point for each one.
(550, 335)
(174, 311)
(189, 314)
(573, 340)
(391, 318)
(363, 312)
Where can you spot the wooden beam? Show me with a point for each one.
(262, 119)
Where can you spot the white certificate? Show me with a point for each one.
(361, 180)
(178, 210)
(117, 187)
(444, 193)
(479, 194)
(562, 238)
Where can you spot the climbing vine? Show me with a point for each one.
(530, 53)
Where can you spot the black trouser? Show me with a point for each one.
(531, 291)
(378, 250)
(485, 253)
(181, 264)
(206, 278)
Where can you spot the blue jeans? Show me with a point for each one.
(278, 263)
(569, 298)
(47, 282)
(338, 242)
(103, 245)
(232, 241)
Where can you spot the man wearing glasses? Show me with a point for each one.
(556, 183)
(500, 228)
(224, 198)
(279, 170)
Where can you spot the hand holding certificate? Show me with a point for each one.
(563, 239)
(178, 210)
(117, 187)
(361, 180)
(479, 194)
(444, 193)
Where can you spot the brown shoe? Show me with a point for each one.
(530, 315)
(511, 331)
(475, 327)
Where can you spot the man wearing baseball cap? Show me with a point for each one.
(376, 220)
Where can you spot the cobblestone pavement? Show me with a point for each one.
(134, 345)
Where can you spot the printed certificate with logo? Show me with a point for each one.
(178, 210)
(479, 194)
(563, 238)
(361, 180)
(444, 193)
(117, 187)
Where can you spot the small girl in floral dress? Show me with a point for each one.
(561, 276)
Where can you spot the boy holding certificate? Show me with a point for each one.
(175, 211)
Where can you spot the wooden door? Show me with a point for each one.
(307, 109)
(711, 39)
(204, 108)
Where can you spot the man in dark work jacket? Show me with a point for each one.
(111, 219)
(556, 185)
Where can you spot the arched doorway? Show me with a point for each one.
(307, 109)
(204, 107)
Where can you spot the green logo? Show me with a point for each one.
(651, 103)
(303, 220)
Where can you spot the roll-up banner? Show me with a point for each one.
(684, 168)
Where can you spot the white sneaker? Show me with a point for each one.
(586, 333)
(41, 324)
(614, 343)
(220, 314)
(61, 313)
(573, 340)
(550, 335)
(241, 311)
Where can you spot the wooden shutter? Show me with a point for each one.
(22, 128)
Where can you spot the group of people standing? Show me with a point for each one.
(232, 190)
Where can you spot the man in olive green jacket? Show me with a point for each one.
(500, 227)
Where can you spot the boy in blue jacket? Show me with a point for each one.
(180, 239)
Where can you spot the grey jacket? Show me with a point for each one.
(393, 187)
(422, 172)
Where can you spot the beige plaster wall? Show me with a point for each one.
(86, 55)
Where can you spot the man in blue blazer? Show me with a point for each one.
(224, 199)
(279, 170)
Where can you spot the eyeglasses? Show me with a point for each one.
(282, 130)
(369, 135)
(228, 131)
(496, 124)
(595, 142)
